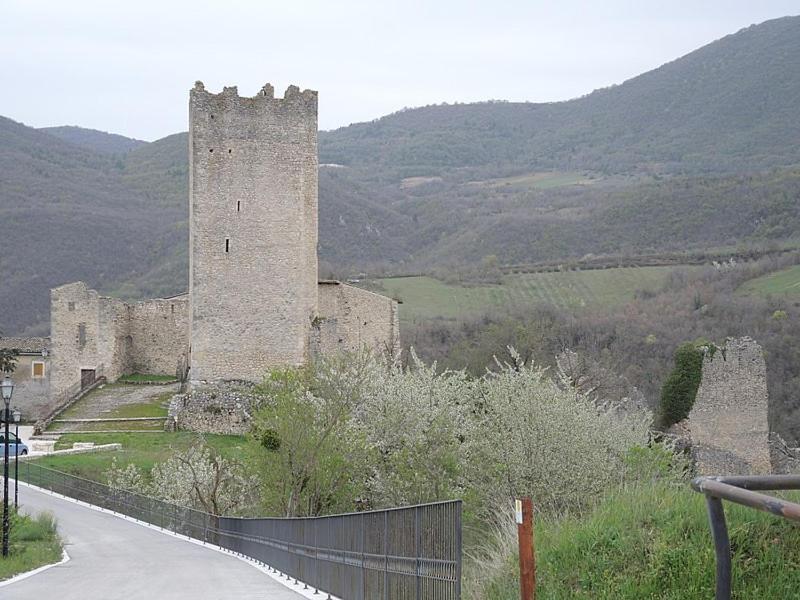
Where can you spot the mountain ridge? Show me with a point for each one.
(700, 152)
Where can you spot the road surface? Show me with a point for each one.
(112, 558)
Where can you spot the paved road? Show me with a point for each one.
(112, 558)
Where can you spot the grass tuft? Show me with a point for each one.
(33, 543)
(648, 542)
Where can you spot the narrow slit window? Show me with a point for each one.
(227, 244)
(81, 335)
(238, 206)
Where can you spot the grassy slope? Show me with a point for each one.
(33, 543)
(785, 282)
(654, 542)
(142, 449)
(427, 298)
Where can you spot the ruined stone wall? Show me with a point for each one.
(159, 331)
(253, 231)
(89, 331)
(728, 423)
(224, 408)
(351, 318)
(74, 324)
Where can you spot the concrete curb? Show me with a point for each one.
(281, 578)
(36, 571)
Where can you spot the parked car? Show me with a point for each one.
(16, 447)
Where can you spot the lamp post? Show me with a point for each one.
(6, 389)
(17, 416)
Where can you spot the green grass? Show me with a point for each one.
(428, 298)
(156, 406)
(144, 378)
(654, 542)
(33, 543)
(142, 449)
(785, 282)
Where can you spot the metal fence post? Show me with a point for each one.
(417, 544)
(722, 547)
(385, 555)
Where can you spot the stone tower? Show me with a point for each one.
(253, 231)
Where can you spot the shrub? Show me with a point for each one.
(680, 387)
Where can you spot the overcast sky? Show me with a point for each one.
(126, 67)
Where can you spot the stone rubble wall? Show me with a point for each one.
(223, 407)
(729, 421)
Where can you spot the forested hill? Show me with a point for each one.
(729, 106)
(701, 152)
(91, 139)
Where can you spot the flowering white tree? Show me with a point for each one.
(531, 436)
(413, 422)
(197, 478)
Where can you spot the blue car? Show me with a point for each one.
(15, 445)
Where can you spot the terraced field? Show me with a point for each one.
(427, 298)
(785, 282)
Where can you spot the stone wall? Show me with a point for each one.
(351, 318)
(112, 337)
(729, 421)
(159, 331)
(223, 408)
(253, 231)
(31, 387)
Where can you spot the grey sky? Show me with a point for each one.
(126, 67)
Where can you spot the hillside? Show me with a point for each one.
(68, 214)
(698, 153)
(729, 106)
(91, 139)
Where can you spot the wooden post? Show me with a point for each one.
(527, 560)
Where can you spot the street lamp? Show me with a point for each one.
(17, 416)
(6, 390)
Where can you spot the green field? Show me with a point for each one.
(428, 298)
(542, 181)
(141, 449)
(785, 282)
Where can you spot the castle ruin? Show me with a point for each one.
(729, 420)
(255, 301)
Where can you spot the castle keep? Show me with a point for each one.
(254, 300)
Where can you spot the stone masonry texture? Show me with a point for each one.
(729, 421)
(253, 230)
(351, 318)
(112, 337)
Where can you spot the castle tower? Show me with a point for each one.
(253, 231)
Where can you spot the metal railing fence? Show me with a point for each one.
(410, 553)
(741, 490)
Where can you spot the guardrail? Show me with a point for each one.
(410, 553)
(739, 489)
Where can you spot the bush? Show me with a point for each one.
(680, 388)
(356, 431)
